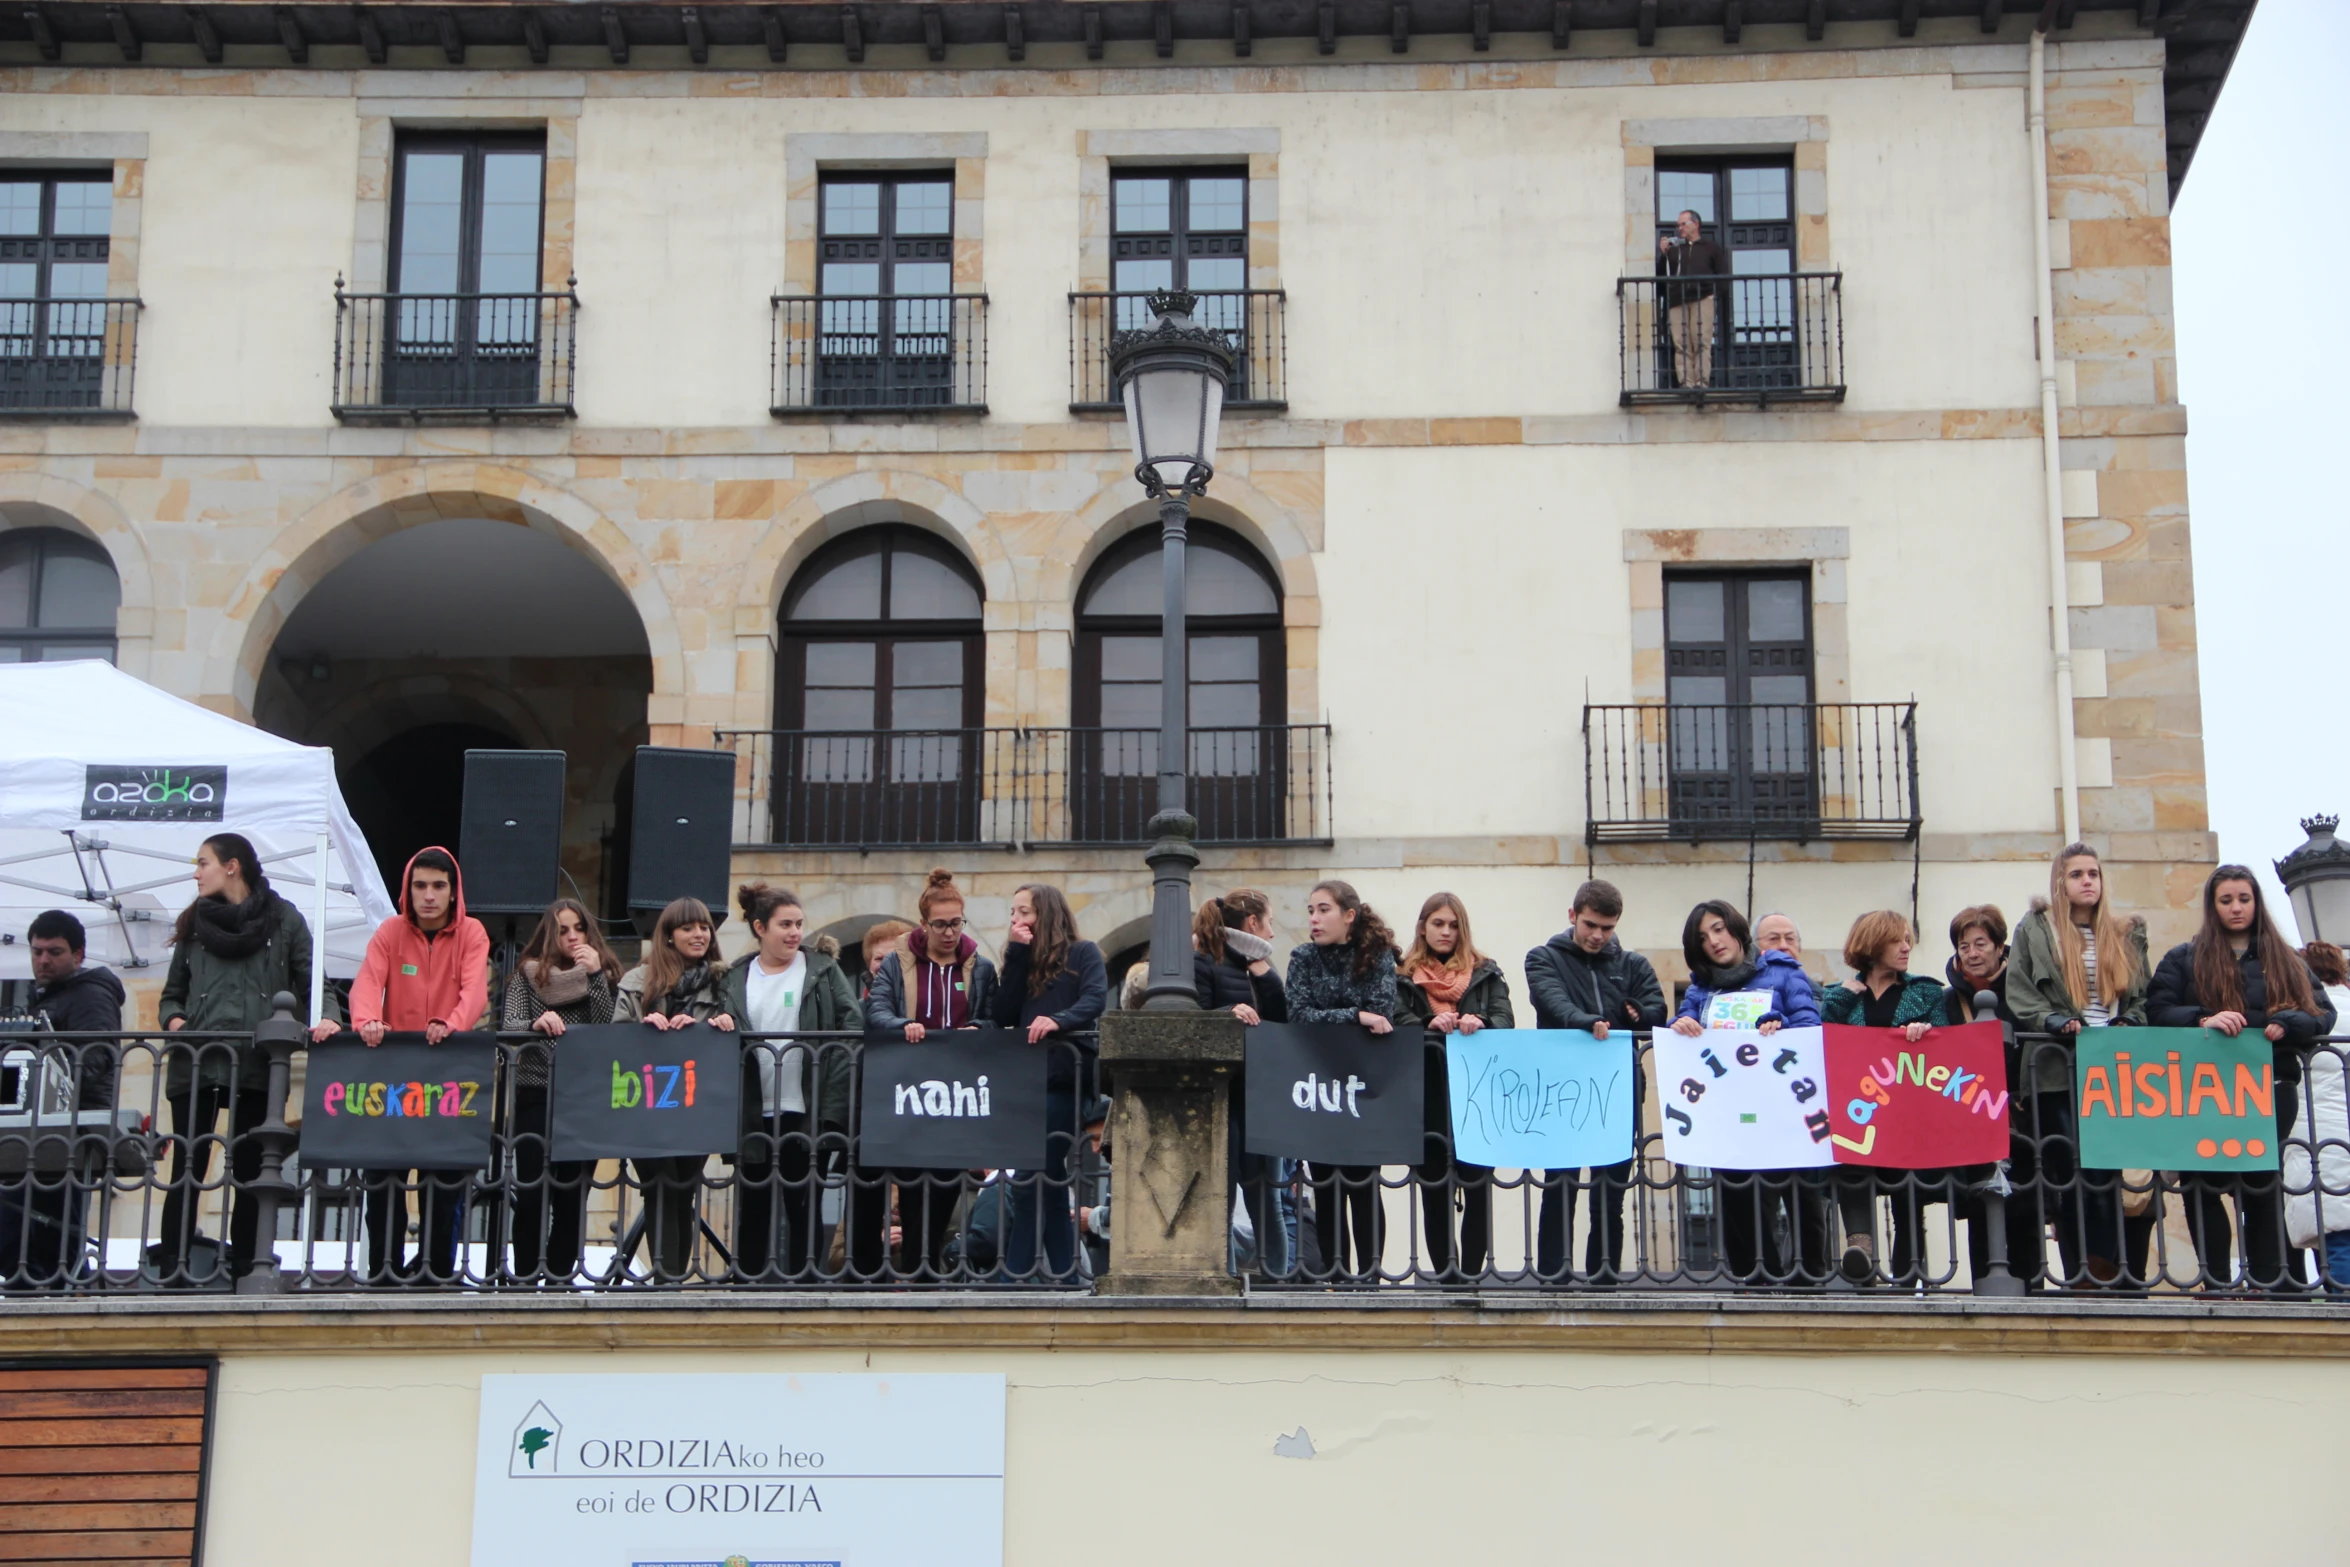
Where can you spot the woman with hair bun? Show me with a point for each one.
(1345, 973)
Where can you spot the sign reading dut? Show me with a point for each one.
(403, 1105)
(808, 1470)
(632, 1091)
(2176, 1099)
(1336, 1093)
(1538, 1099)
(963, 1099)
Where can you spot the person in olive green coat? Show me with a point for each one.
(2077, 963)
(795, 1097)
(1445, 985)
(232, 951)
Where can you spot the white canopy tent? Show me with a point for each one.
(107, 788)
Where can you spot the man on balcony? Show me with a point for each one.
(1689, 307)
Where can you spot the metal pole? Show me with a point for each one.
(1999, 1280)
(1172, 855)
(317, 996)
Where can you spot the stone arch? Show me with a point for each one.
(339, 527)
(384, 709)
(42, 500)
(860, 500)
(1118, 509)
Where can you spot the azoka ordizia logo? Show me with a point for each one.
(538, 1445)
(154, 794)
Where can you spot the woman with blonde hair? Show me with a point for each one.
(1446, 986)
(2077, 963)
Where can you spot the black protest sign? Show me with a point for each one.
(1336, 1093)
(633, 1091)
(963, 1099)
(404, 1105)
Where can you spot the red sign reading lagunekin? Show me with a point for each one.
(1926, 1106)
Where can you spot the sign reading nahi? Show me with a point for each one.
(695, 1471)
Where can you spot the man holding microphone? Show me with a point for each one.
(1689, 307)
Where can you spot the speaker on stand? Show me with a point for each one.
(510, 846)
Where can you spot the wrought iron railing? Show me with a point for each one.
(1776, 338)
(1743, 771)
(1254, 321)
(116, 1179)
(903, 354)
(140, 1192)
(1007, 788)
(71, 358)
(456, 356)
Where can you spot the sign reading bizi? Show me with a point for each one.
(632, 1091)
(1336, 1093)
(2176, 1099)
(695, 1471)
(154, 794)
(963, 1099)
(404, 1105)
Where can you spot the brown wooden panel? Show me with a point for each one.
(73, 1485)
(101, 1403)
(98, 1433)
(95, 1517)
(117, 1561)
(105, 1376)
(99, 1459)
(170, 1544)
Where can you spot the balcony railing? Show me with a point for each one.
(1771, 771)
(456, 356)
(68, 358)
(906, 354)
(1776, 338)
(1011, 788)
(1253, 320)
(114, 1183)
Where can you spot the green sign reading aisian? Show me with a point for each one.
(2176, 1099)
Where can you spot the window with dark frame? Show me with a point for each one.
(1746, 205)
(1236, 667)
(1738, 684)
(54, 248)
(878, 668)
(468, 218)
(58, 597)
(1182, 229)
(886, 270)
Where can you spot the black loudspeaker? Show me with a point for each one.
(681, 820)
(511, 842)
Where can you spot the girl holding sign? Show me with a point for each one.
(2239, 974)
(1054, 982)
(1733, 986)
(1447, 986)
(565, 975)
(1885, 994)
(677, 984)
(2077, 963)
(1345, 974)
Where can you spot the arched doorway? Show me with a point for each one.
(456, 634)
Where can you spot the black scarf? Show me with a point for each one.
(233, 932)
(690, 984)
(1731, 977)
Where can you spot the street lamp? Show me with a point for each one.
(1171, 375)
(2317, 878)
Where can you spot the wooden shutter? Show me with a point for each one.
(102, 1464)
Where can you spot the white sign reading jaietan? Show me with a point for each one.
(740, 1471)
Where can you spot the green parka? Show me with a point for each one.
(232, 995)
(2036, 993)
(828, 1005)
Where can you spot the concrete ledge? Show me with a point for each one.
(1314, 1323)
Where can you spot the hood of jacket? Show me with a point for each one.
(456, 887)
(1565, 942)
(86, 982)
(915, 950)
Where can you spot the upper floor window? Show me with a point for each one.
(1743, 204)
(466, 224)
(53, 257)
(58, 597)
(887, 235)
(1185, 229)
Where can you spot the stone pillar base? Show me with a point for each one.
(1171, 1216)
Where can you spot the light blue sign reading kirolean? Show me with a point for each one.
(1540, 1099)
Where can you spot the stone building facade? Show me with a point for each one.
(1469, 527)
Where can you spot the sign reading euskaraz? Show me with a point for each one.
(963, 1099)
(154, 794)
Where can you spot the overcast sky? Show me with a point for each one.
(2258, 239)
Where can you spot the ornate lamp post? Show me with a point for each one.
(1171, 376)
(2317, 878)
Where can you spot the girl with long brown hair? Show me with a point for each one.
(1054, 982)
(2240, 975)
(566, 975)
(1345, 973)
(675, 985)
(2077, 963)
(1447, 986)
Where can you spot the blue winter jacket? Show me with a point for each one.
(1798, 1004)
